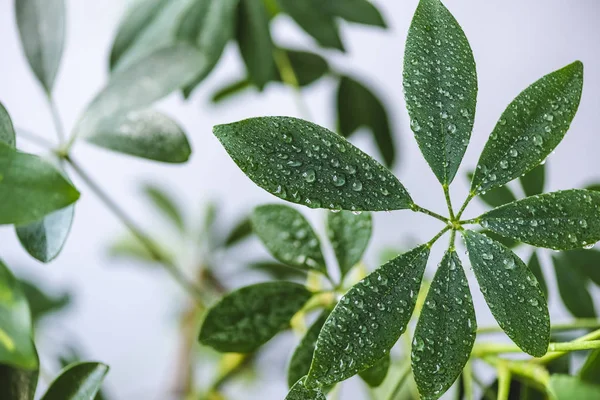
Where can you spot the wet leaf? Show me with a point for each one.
(510, 243)
(369, 319)
(359, 107)
(41, 26)
(530, 128)
(375, 375)
(573, 290)
(247, 318)
(440, 87)
(561, 220)
(166, 204)
(45, 239)
(81, 381)
(303, 355)
(565, 387)
(308, 67)
(496, 197)
(533, 181)
(310, 165)
(512, 293)
(42, 303)
(7, 131)
(349, 235)
(300, 392)
(446, 329)
(358, 11)
(590, 372)
(240, 231)
(288, 236)
(535, 267)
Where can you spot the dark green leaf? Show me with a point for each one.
(440, 87)
(357, 107)
(359, 11)
(308, 67)
(30, 188)
(230, 90)
(240, 231)
(303, 355)
(535, 267)
(166, 204)
(310, 165)
(301, 392)
(246, 319)
(446, 330)
(288, 236)
(512, 293)
(41, 303)
(375, 375)
(573, 290)
(80, 381)
(561, 220)
(510, 243)
(16, 383)
(590, 372)
(369, 319)
(496, 197)
(587, 262)
(349, 235)
(595, 187)
(565, 387)
(533, 181)
(530, 128)
(7, 131)
(254, 40)
(278, 270)
(42, 29)
(311, 17)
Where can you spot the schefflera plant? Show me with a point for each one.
(306, 164)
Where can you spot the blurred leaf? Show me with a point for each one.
(41, 303)
(301, 392)
(375, 375)
(590, 372)
(573, 290)
(230, 90)
(80, 381)
(496, 197)
(166, 204)
(303, 354)
(358, 11)
(508, 242)
(277, 270)
(240, 231)
(249, 317)
(357, 107)
(349, 235)
(587, 261)
(17, 384)
(533, 181)
(41, 26)
(594, 187)
(7, 131)
(564, 387)
(308, 67)
(535, 267)
(130, 247)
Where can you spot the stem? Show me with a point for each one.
(417, 208)
(469, 221)
(34, 138)
(503, 381)
(532, 372)
(401, 379)
(582, 323)
(493, 348)
(144, 239)
(448, 201)
(467, 376)
(58, 126)
(488, 392)
(436, 237)
(452, 240)
(465, 204)
(289, 77)
(592, 336)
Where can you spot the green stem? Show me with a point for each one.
(469, 221)
(144, 239)
(448, 201)
(503, 381)
(467, 376)
(288, 76)
(582, 323)
(493, 348)
(417, 208)
(401, 380)
(592, 336)
(452, 240)
(465, 204)
(437, 236)
(58, 126)
(532, 372)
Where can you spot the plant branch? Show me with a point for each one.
(34, 138)
(436, 237)
(532, 372)
(469, 221)
(58, 126)
(503, 381)
(401, 380)
(583, 323)
(289, 77)
(467, 377)
(448, 201)
(484, 349)
(465, 204)
(417, 208)
(592, 336)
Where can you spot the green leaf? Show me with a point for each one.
(369, 319)
(230, 90)
(310, 16)
(80, 381)
(41, 26)
(496, 197)
(530, 128)
(141, 84)
(308, 67)
(310, 165)
(254, 40)
(512, 293)
(533, 181)
(30, 188)
(357, 107)
(303, 355)
(590, 372)
(510, 243)
(288, 236)
(240, 231)
(587, 262)
(166, 204)
(358, 11)
(40, 302)
(277, 270)
(565, 387)
(561, 220)
(7, 131)
(535, 267)
(446, 329)
(375, 375)
(573, 290)
(594, 186)
(349, 235)
(246, 319)
(16, 383)
(440, 87)
(300, 392)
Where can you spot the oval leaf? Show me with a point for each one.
(369, 319)
(512, 293)
(496, 197)
(440, 87)
(310, 165)
(591, 368)
(80, 381)
(565, 387)
(358, 11)
(308, 67)
(349, 235)
(587, 262)
(561, 220)
(375, 375)
(42, 29)
(42, 304)
(300, 392)
(303, 355)
(288, 236)
(446, 330)
(246, 319)
(573, 290)
(17, 384)
(7, 131)
(530, 128)
(30, 188)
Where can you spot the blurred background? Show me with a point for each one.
(126, 314)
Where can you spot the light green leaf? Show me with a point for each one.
(166, 204)
(440, 87)
(44, 239)
(375, 375)
(80, 381)
(446, 329)
(254, 40)
(587, 262)
(16, 383)
(288, 236)
(249, 317)
(369, 319)
(231, 89)
(496, 197)
(303, 354)
(7, 131)
(561, 220)
(565, 387)
(573, 290)
(300, 392)
(41, 26)
(534, 266)
(530, 128)
(512, 293)
(308, 67)
(42, 303)
(30, 188)
(310, 16)
(359, 107)
(358, 11)
(240, 231)
(590, 372)
(533, 181)
(310, 165)
(130, 247)
(349, 235)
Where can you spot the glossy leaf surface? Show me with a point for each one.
(349, 235)
(300, 392)
(80, 381)
(496, 197)
(573, 290)
(303, 354)
(7, 131)
(534, 266)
